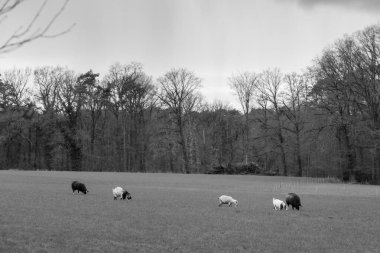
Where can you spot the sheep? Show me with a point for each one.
(120, 192)
(78, 186)
(227, 200)
(279, 204)
(293, 200)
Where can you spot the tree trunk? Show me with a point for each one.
(184, 146)
(36, 149)
(246, 135)
(283, 155)
(30, 147)
(282, 149)
(76, 157)
(298, 150)
(92, 141)
(348, 155)
(124, 146)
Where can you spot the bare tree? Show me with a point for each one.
(70, 97)
(95, 98)
(369, 68)
(347, 87)
(48, 80)
(176, 92)
(223, 125)
(293, 110)
(30, 31)
(17, 82)
(262, 101)
(245, 85)
(270, 89)
(18, 109)
(119, 78)
(131, 93)
(335, 94)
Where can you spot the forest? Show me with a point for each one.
(321, 122)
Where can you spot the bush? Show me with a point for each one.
(237, 169)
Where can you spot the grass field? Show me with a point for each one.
(180, 213)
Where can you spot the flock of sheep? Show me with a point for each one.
(117, 192)
(291, 199)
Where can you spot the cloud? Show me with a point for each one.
(367, 5)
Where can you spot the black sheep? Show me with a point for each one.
(78, 186)
(126, 195)
(293, 200)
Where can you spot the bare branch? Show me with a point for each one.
(244, 85)
(23, 35)
(8, 6)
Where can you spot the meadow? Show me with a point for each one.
(180, 213)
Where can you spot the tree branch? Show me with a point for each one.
(25, 35)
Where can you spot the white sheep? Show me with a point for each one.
(119, 192)
(279, 204)
(227, 200)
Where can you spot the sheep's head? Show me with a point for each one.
(236, 203)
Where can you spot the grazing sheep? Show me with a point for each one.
(78, 186)
(227, 200)
(279, 204)
(293, 200)
(119, 192)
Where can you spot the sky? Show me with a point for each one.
(213, 38)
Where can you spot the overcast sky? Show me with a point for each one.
(213, 38)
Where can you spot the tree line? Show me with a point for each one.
(322, 122)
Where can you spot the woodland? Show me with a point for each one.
(321, 122)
